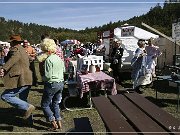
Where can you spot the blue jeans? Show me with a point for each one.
(51, 98)
(9, 96)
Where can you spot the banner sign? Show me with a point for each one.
(106, 33)
(176, 31)
(127, 31)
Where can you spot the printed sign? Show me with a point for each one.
(127, 31)
(176, 31)
(106, 33)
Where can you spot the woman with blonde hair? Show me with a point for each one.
(53, 83)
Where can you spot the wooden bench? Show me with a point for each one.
(132, 113)
(113, 119)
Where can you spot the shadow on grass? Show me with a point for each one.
(38, 108)
(75, 102)
(162, 102)
(42, 123)
(1, 85)
(58, 133)
(10, 117)
(37, 90)
(127, 85)
(125, 75)
(82, 126)
(6, 128)
(162, 86)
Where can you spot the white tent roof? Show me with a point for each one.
(138, 33)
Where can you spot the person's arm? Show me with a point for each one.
(15, 56)
(63, 64)
(41, 68)
(158, 52)
(121, 51)
(48, 70)
(33, 54)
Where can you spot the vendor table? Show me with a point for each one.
(95, 81)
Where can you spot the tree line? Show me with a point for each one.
(160, 18)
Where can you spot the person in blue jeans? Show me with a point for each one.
(17, 77)
(53, 84)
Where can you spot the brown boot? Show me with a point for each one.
(54, 126)
(59, 124)
(29, 111)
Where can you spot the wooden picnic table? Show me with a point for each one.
(133, 114)
(91, 82)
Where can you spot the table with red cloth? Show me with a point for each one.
(96, 81)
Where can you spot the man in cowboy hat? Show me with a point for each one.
(17, 77)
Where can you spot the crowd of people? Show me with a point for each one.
(18, 70)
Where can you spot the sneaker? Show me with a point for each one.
(29, 111)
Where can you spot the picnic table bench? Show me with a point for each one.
(133, 114)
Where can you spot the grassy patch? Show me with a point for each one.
(11, 118)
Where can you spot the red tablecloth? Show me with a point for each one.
(97, 80)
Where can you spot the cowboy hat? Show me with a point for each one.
(15, 38)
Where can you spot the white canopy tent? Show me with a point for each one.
(129, 35)
(134, 32)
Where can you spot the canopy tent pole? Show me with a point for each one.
(158, 32)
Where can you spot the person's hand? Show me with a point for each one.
(143, 54)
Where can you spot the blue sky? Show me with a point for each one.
(74, 14)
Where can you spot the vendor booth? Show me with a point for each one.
(129, 35)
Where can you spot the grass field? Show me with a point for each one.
(11, 119)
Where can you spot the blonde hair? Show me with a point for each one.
(48, 45)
